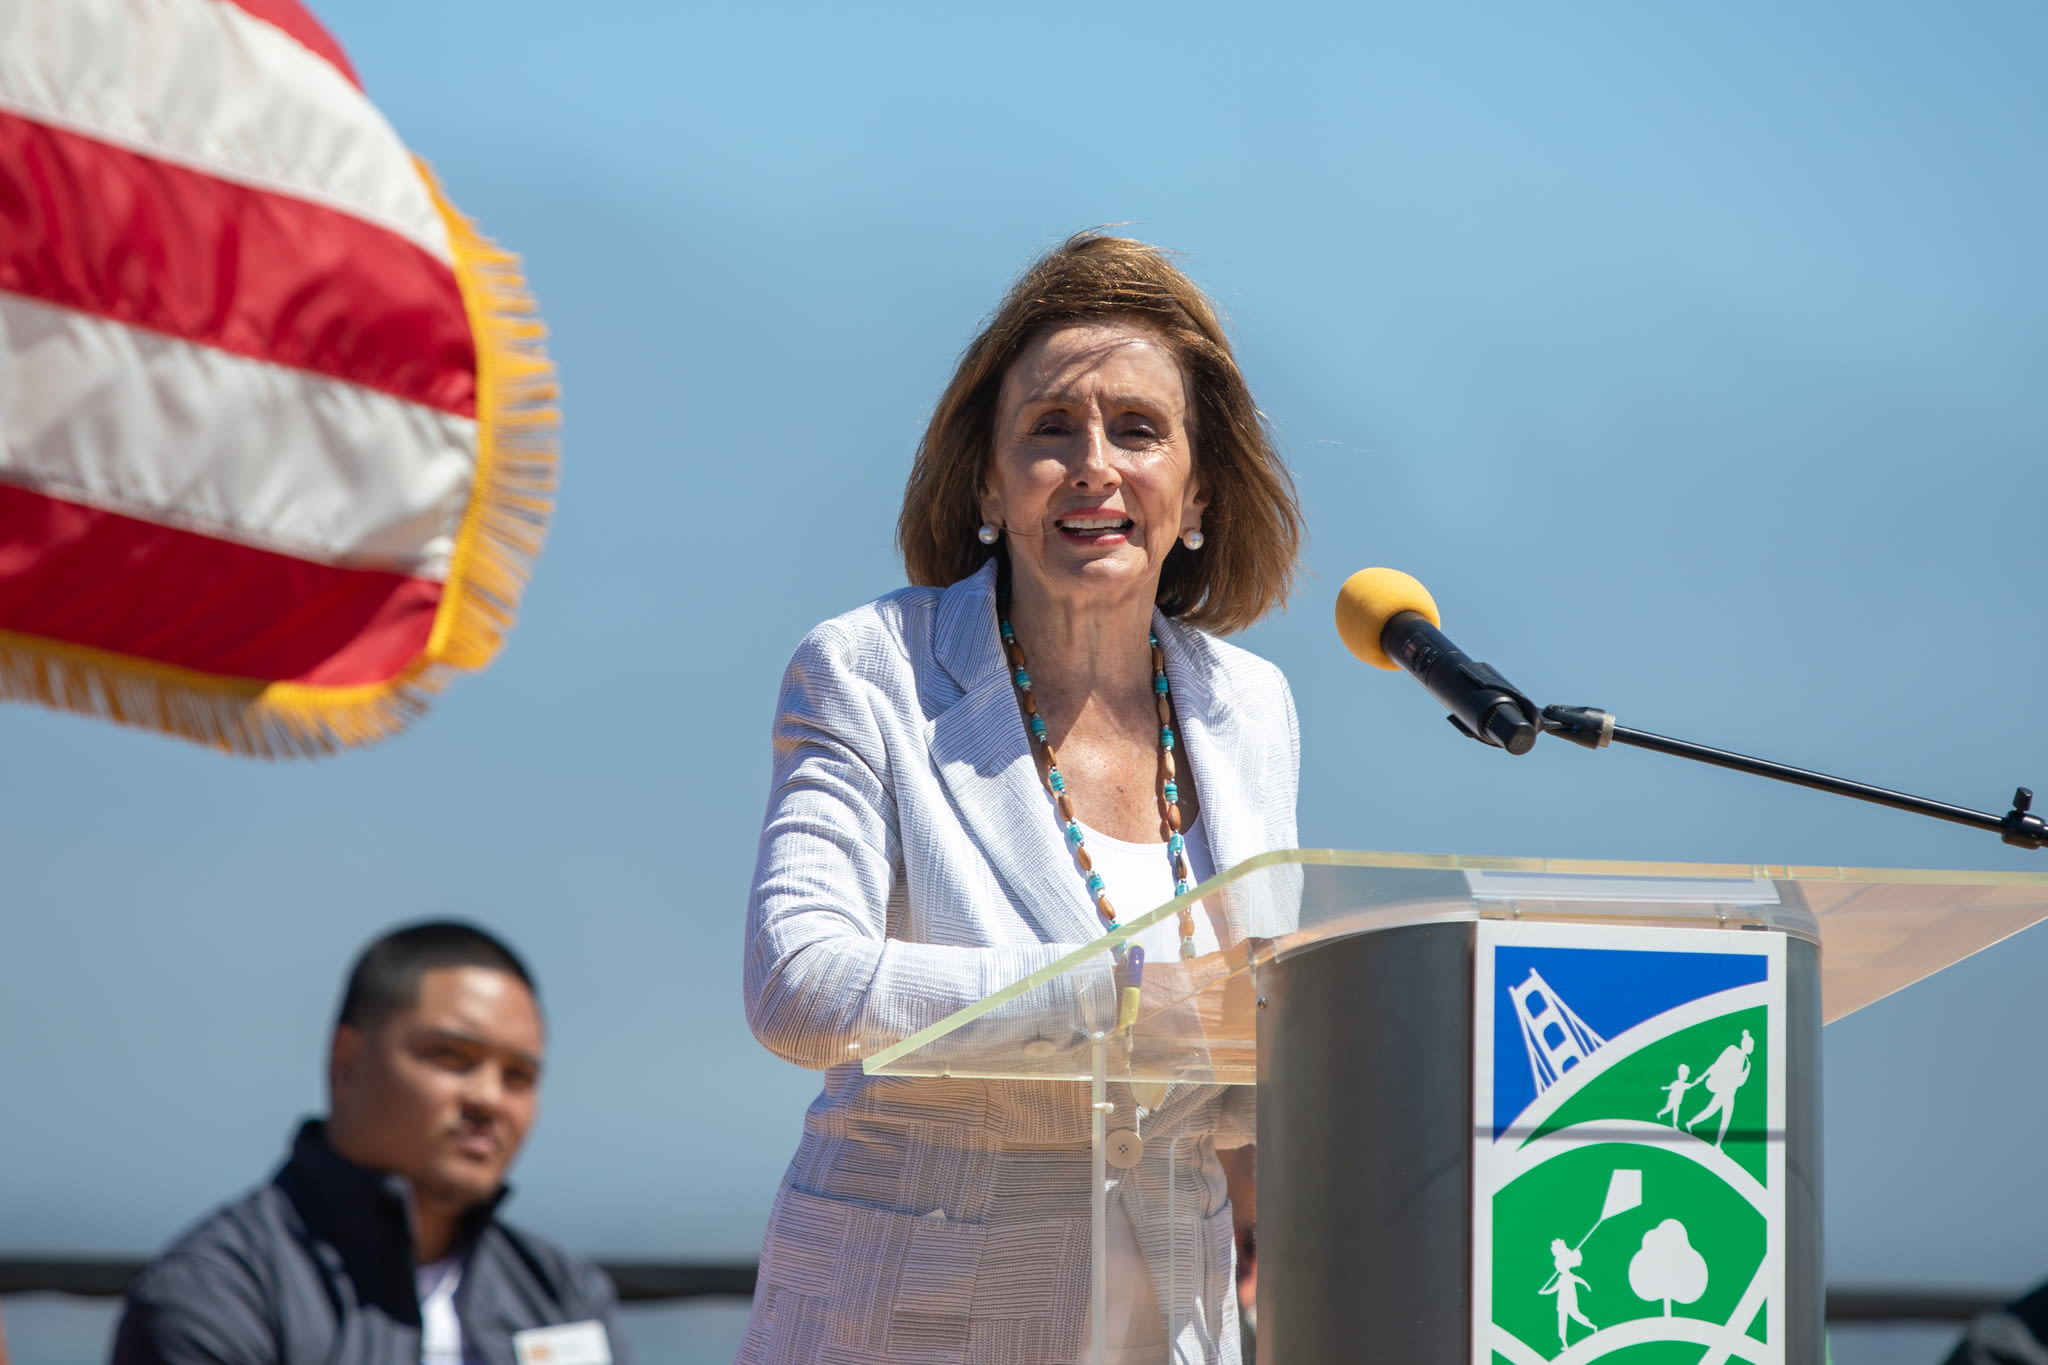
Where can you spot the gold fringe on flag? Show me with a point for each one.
(499, 539)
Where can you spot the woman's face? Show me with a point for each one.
(1092, 476)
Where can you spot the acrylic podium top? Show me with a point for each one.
(1879, 930)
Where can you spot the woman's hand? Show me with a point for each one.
(1200, 1000)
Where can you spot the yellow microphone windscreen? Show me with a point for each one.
(1368, 600)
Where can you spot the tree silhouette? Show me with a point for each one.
(1667, 1267)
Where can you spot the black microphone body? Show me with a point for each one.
(1483, 705)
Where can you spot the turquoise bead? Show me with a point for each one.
(1166, 736)
(1009, 636)
(1074, 832)
(1022, 679)
(1095, 882)
(1159, 684)
(1055, 781)
(1172, 793)
(1038, 726)
(1175, 845)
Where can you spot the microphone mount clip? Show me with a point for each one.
(2022, 829)
(1586, 726)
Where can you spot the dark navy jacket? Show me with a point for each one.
(317, 1268)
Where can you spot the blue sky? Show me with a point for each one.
(1692, 356)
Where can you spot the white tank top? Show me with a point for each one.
(1138, 878)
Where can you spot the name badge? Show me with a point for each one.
(573, 1343)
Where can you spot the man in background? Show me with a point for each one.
(2016, 1334)
(378, 1241)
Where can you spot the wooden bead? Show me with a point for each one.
(1030, 705)
(1052, 760)
(1173, 818)
(1102, 904)
(1066, 807)
(1081, 858)
(1016, 656)
(1158, 660)
(1166, 763)
(1165, 712)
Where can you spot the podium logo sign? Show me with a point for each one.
(1629, 1085)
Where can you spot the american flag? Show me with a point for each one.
(276, 426)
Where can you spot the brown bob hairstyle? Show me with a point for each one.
(1253, 522)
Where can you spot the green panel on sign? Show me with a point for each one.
(1640, 1086)
(1693, 1244)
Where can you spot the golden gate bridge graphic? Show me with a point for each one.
(1556, 1038)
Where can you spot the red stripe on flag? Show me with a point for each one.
(296, 20)
(88, 577)
(93, 227)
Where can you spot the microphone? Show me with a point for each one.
(1390, 621)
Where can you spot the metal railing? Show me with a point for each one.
(107, 1277)
(659, 1281)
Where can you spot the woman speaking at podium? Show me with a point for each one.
(977, 774)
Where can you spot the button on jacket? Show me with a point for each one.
(910, 865)
(317, 1268)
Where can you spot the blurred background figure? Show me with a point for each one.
(378, 1242)
(2016, 1334)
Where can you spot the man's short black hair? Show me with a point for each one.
(386, 978)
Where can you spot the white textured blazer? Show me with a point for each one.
(910, 865)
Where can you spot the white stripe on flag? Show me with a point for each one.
(140, 423)
(207, 85)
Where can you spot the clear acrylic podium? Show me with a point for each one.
(1477, 1090)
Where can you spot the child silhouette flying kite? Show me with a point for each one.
(1624, 1192)
(1566, 1286)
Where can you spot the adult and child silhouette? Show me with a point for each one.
(1726, 1076)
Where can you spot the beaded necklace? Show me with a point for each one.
(1169, 789)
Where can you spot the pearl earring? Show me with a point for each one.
(1193, 540)
(988, 534)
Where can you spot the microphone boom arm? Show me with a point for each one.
(1390, 621)
(1592, 728)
